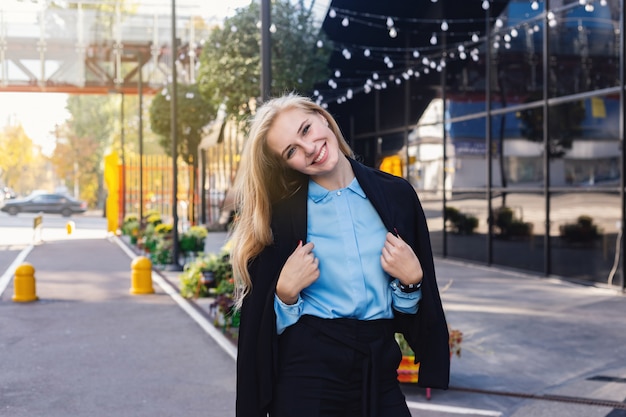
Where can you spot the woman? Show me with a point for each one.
(331, 258)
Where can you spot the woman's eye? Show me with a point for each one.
(306, 128)
(290, 152)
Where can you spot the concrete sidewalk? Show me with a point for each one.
(532, 346)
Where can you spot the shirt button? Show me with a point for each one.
(338, 192)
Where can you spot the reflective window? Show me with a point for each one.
(519, 220)
(584, 235)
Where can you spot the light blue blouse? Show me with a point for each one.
(349, 237)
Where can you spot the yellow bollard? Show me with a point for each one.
(141, 276)
(24, 284)
(70, 226)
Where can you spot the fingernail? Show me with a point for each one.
(396, 230)
(300, 242)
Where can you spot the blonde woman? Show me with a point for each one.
(331, 258)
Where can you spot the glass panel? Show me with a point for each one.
(519, 220)
(466, 226)
(517, 54)
(583, 46)
(584, 235)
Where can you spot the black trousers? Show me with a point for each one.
(338, 368)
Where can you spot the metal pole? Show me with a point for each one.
(123, 156)
(547, 263)
(266, 51)
(173, 132)
(622, 129)
(140, 93)
(488, 138)
(444, 140)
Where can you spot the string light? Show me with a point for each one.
(461, 45)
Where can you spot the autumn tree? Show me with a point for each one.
(22, 165)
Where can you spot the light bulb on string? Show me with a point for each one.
(514, 33)
(433, 39)
(320, 44)
(416, 54)
(349, 94)
(534, 5)
(375, 75)
(589, 7)
(389, 22)
(367, 52)
(272, 28)
(337, 74)
(444, 26)
(393, 33)
(332, 13)
(475, 37)
(345, 22)
(485, 5)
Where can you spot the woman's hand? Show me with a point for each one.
(399, 260)
(299, 272)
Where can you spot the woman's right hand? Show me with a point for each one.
(299, 272)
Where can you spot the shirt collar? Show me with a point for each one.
(317, 193)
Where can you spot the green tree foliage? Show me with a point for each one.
(194, 113)
(230, 64)
(83, 140)
(564, 125)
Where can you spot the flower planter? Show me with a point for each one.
(407, 371)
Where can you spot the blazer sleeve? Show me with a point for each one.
(256, 343)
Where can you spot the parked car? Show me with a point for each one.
(45, 203)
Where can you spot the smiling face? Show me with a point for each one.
(306, 144)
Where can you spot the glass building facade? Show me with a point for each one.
(517, 155)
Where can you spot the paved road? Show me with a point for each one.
(532, 347)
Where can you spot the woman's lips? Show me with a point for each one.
(322, 155)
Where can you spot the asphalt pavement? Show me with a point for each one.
(533, 346)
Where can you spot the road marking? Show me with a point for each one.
(206, 325)
(8, 274)
(452, 410)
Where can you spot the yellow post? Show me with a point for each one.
(70, 226)
(141, 276)
(24, 284)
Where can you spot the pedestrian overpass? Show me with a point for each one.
(85, 49)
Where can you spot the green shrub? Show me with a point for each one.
(193, 239)
(461, 223)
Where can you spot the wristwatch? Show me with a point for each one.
(409, 288)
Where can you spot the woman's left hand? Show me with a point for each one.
(399, 260)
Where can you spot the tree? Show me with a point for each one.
(193, 114)
(22, 165)
(83, 140)
(564, 125)
(74, 162)
(230, 64)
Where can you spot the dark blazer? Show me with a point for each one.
(426, 332)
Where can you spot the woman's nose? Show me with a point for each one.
(308, 147)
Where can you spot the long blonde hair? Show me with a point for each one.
(264, 178)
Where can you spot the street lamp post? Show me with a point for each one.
(140, 134)
(173, 132)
